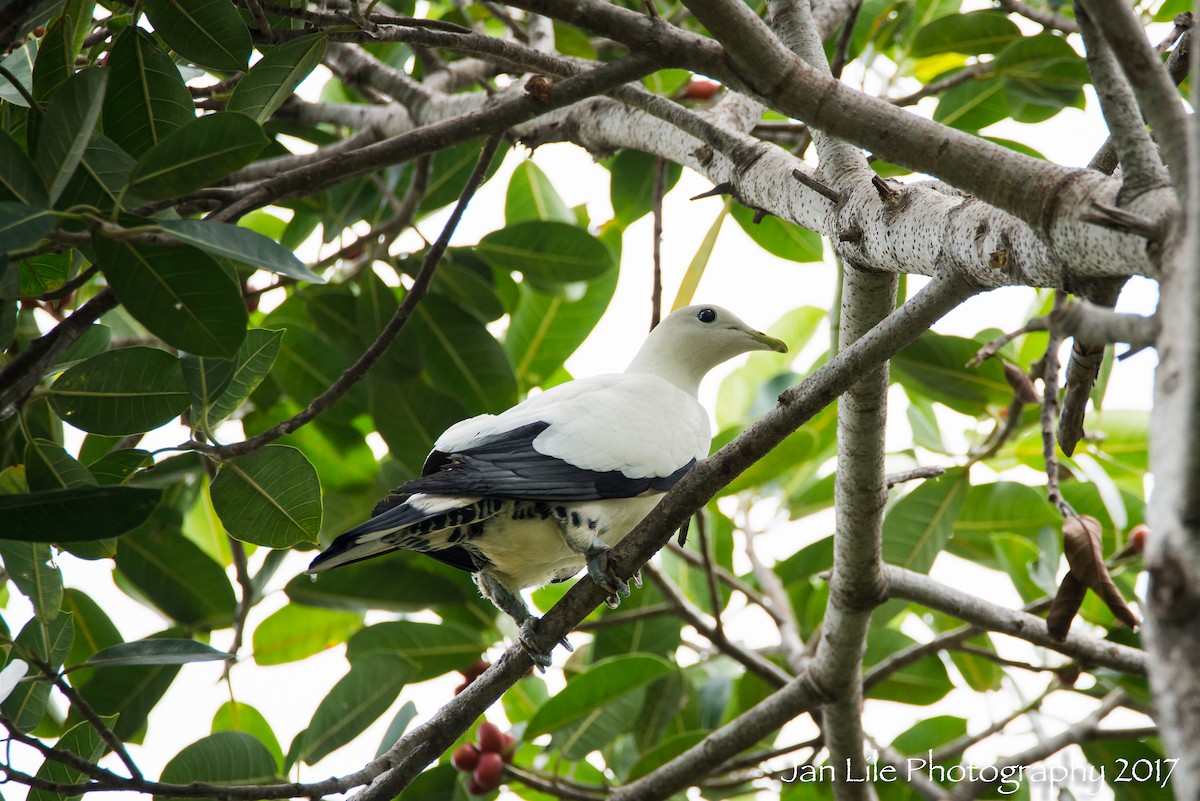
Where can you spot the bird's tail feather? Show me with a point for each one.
(371, 538)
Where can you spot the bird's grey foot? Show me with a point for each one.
(526, 636)
(601, 571)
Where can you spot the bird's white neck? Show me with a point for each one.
(682, 368)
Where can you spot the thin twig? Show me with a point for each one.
(710, 573)
(660, 180)
(245, 603)
(1050, 367)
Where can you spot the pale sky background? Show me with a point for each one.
(740, 276)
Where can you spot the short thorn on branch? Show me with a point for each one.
(723, 188)
(915, 474)
(1122, 220)
(817, 186)
(887, 192)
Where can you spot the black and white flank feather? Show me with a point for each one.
(541, 491)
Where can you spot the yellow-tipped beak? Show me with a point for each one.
(770, 343)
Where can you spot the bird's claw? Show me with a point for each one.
(527, 639)
(603, 573)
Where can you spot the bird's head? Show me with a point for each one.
(691, 341)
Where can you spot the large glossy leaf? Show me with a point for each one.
(632, 187)
(917, 528)
(972, 34)
(590, 692)
(531, 196)
(224, 757)
(433, 648)
(930, 733)
(783, 239)
(124, 391)
(973, 105)
(29, 565)
(935, 365)
(50, 642)
(22, 227)
(355, 702)
(920, 683)
(296, 632)
(241, 245)
(546, 252)
(101, 177)
(269, 497)
(55, 59)
(410, 415)
(196, 155)
(19, 179)
(991, 509)
(238, 716)
(67, 127)
(372, 585)
(208, 32)
(462, 358)
(48, 466)
(548, 327)
(46, 273)
(1042, 74)
(82, 740)
(157, 651)
(175, 575)
(449, 172)
(94, 631)
(129, 691)
(83, 513)
(275, 76)
(147, 98)
(251, 365)
(179, 293)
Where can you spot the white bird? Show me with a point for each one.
(538, 492)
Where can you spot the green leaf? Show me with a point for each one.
(148, 99)
(179, 293)
(160, 651)
(546, 252)
(83, 513)
(22, 227)
(973, 105)
(372, 585)
(269, 497)
(50, 642)
(175, 575)
(130, 692)
(224, 757)
(449, 172)
(783, 239)
(663, 752)
(992, 509)
(548, 327)
(433, 648)
(46, 273)
(531, 196)
(48, 466)
(101, 177)
(591, 691)
(930, 733)
(462, 357)
(921, 683)
(275, 76)
(82, 740)
(124, 391)
(354, 703)
(973, 34)
(19, 179)
(395, 729)
(20, 64)
(208, 32)
(94, 631)
(252, 363)
(935, 366)
(632, 187)
(31, 567)
(699, 263)
(917, 528)
(67, 127)
(237, 716)
(198, 154)
(240, 245)
(206, 379)
(296, 632)
(55, 59)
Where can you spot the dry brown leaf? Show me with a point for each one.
(1065, 607)
(1022, 387)
(1082, 547)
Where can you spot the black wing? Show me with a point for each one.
(507, 466)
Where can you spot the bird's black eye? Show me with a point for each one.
(706, 315)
